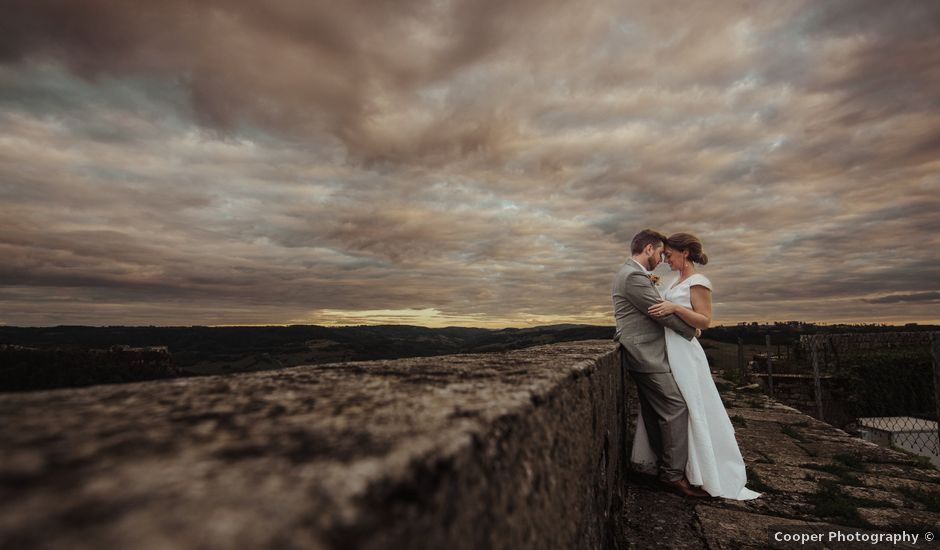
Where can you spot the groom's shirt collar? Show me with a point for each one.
(643, 267)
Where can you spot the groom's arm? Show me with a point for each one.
(642, 295)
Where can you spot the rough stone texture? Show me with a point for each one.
(781, 445)
(522, 449)
(525, 449)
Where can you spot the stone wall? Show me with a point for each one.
(521, 449)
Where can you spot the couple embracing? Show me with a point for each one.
(683, 432)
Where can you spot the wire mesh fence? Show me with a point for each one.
(881, 386)
(888, 383)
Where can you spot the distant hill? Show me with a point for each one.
(48, 357)
(25, 368)
(34, 357)
(785, 332)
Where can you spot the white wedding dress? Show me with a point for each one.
(715, 460)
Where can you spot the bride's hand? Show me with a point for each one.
(663, 308)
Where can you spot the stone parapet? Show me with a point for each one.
(512, 450)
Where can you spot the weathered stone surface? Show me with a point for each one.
(657, 519)
(733, 529)
(510, 450)
(785, 450)
(522, 449)
(782, 477)
(888, 518)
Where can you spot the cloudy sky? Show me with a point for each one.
(477, 163)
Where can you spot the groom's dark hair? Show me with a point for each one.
(645, 237)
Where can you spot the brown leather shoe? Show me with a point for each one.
(697, 489)
(681, 487)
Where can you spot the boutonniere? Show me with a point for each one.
(654, 278)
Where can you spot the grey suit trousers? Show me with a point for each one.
(666, 417)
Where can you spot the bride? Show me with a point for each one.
(715, 461)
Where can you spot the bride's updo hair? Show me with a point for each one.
(688, 242)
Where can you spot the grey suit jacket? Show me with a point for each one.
(642, 336)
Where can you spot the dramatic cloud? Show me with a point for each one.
(453, 162)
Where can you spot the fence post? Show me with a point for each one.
(935, 351)
(813, 342)
(742, 368)
(770, 368)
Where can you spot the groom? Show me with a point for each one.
(643, 352)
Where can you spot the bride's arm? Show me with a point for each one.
(700, 316)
